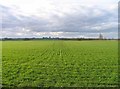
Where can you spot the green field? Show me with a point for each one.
(60, 63)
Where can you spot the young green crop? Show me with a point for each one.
(60, 63)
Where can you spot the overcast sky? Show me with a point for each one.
(59, 18)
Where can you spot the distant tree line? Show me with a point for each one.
(49, 38)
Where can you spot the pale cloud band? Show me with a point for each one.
(59, 18)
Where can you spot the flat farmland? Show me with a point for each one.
(52, 63)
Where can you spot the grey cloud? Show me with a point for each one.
(78, 23)
(9, 20)
(85, 22)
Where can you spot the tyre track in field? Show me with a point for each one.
(52, 54)
(59, 54)
(68, 51)
(46, 56)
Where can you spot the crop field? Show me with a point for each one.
(52, 63)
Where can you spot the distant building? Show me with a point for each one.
(101, 36)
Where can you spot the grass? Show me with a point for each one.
(60, 63)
